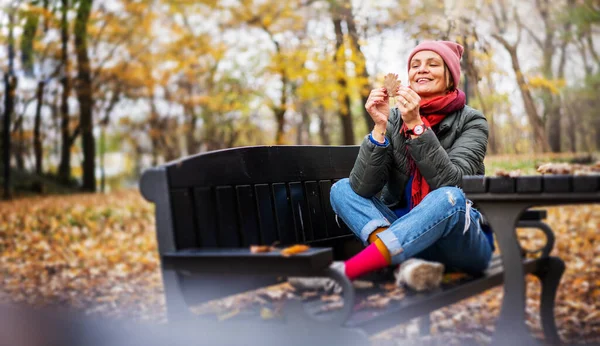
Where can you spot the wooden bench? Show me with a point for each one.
(211, 207)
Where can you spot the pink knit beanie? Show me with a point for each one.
(450, 52)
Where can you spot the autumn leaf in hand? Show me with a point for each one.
(391, 85)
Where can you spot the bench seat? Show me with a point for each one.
(242, 261)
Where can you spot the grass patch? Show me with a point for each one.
(528, 164)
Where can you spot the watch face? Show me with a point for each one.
(419, 129)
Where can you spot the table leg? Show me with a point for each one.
(510, 328)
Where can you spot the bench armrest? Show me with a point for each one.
(242, 261)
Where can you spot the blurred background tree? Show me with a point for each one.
(96, 91)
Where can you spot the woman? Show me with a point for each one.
(416, 157)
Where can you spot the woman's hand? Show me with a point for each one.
(408, 103)
(378, 107)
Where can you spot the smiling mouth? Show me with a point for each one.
(423, 80)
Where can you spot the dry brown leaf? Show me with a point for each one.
(509, 174)
(389, 286)
(309, 294)
(391, 84)
(267, 314)
(260, 248)
(331, 298)
(331, 306)
(376, 301)
(228, 315)
(397, 294)
(555, 168)
(294, 249)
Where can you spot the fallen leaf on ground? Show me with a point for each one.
(228, 315)
(331, 298)
(331, 306)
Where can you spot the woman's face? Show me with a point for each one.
(427, 74)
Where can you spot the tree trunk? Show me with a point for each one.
(323, 131)
(572, 131)
(597, 128)
(102, 145)
(280, 110)
(359, 59)
(10, 85)
(191, 142)
(345, 106)
(537, 126)
(303, 127)
(553, 116)
(19, 151)
(64, 167)
(84, 95)
(470, 73)
(37, 136)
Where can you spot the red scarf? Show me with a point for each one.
(432, 111)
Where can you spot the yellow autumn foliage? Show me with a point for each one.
(552, 85)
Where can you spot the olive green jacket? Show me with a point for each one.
(457, 149)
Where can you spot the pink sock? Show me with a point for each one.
(365, 261)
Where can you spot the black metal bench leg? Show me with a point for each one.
(550, 279)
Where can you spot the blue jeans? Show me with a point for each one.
(442, 228)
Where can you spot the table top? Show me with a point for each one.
(553, 189)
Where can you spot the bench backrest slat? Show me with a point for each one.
(283, 212)
(333, 229)
(183, 221)
(315, 211)
(229, 234)
(302, 223)
(259, 214)
(246, 202)
(266, 216)
(205, 216)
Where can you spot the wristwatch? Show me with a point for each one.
(417, 130)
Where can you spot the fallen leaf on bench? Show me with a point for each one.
(261, 248)
(331, 298)
(294, 249)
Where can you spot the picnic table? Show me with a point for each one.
(502, 200)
